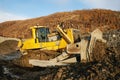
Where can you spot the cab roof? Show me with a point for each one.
(33, 27)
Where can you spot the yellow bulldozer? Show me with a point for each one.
(61, 47)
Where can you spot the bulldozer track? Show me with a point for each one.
(106, 69)
(34, 54)
(105, 66)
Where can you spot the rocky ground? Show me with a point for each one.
(108, 68)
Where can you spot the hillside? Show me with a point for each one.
(108, 68)
(86, 20)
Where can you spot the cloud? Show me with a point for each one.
(5, 16)
(105, 4)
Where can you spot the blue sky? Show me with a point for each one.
(24, 9)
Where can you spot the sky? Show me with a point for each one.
(26, 9)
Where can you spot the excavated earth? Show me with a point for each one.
(85, 20)
(8, 46)
(107, 68)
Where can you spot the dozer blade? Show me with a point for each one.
(45, 63)
(49, 63)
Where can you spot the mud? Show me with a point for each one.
(112, 37)
(108, 68)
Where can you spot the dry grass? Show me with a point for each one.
(86, 20)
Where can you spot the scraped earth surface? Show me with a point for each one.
(108, 68)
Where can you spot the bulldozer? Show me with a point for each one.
(61, 47)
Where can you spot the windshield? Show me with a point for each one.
(42, 34)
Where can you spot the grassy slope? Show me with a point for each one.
(86, 20)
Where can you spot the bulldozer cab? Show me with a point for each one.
(41, 34)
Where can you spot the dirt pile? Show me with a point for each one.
(85, 20)
(107, 69)
(34, 54)
(8, 46)
(112, 37)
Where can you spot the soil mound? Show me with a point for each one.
(8, 46)
(85, 20)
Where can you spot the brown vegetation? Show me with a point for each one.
(108, 68)
(86, 20)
